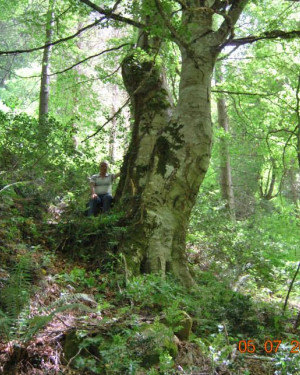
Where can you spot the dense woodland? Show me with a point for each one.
(195, 269)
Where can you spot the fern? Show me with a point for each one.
(16, 294)
(15, 297)
(5, 325)
(15, 322)
(38, 322)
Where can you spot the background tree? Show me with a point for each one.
(45, 76)
(225, 165)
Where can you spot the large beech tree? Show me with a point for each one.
(170, 147)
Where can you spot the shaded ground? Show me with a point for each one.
(71, 312)
(55, 348)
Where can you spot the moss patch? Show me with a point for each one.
(166, 148)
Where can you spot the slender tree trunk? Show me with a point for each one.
(76, 94)
(170, 149)
(113, 129)
(225, 167)
(45, 79)
(267, 193)
(298, 120)
(112, 138)
(292, 182)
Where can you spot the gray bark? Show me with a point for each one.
(45, 79)
(170, 148)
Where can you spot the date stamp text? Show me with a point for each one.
(269, 346)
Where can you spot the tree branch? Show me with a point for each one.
(117, 3)
(240, 93)
(267, 35)
(281, 130)
(108, 121)
(228, 54)
(169, 25)
(230, 19)
(91, 57)
(14, 184)
(74, 65)
(15, 52)
(94, 79)
(109, 14)
(127, 101)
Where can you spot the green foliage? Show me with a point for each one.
(16, 293)
(212, 303)
(15, 299)
(91, 239)
(258, 249)
(285, 362)
(127, 350)
(41, 167)
(151, 290)
(26, 148)
(249, 261)
(80, 278)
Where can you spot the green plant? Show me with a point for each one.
(15, 297)
(80, 277)
(173, 315)
(153, 291)
(286, 363)
(166, 363)
(16, 322)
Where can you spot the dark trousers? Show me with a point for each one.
(102, 202)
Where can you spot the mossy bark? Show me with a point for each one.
(169, 152)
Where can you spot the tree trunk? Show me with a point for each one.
(76, 94)
(45, 79)
(169, 152)
(113, 130)
(267, 193)
(292, 183)
(298, 120)
(225, 175)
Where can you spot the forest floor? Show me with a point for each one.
(65, 309)
(55, 347)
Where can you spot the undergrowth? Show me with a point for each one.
(140, 315)
(57, 264)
